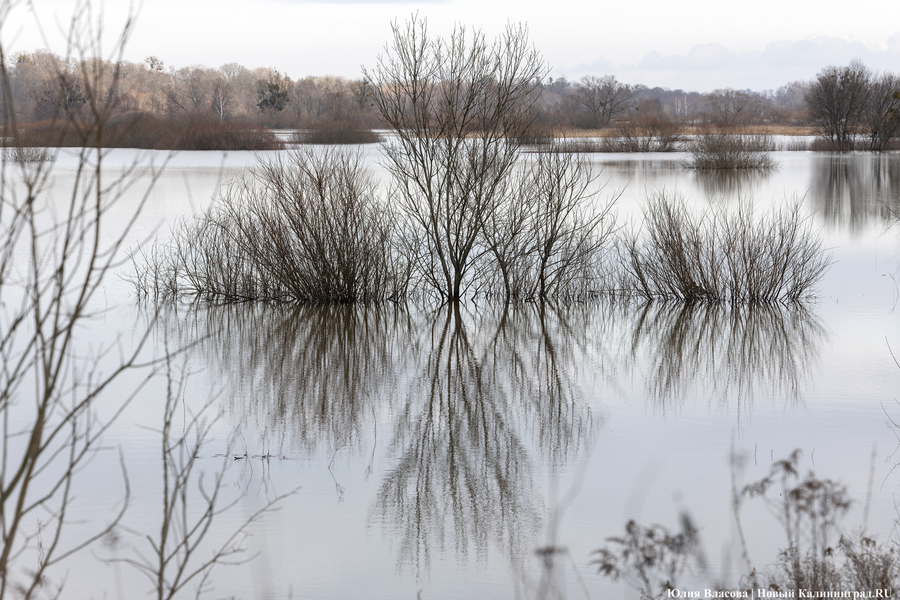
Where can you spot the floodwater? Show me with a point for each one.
(431, 452)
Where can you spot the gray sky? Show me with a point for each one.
(690, 44)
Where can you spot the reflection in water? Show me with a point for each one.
(463, 477)
(478, 401)
(644, 168)
(852, 190)
(729, 183)
(464, 469)
(725, 351)
(538, 350)
(305, 378)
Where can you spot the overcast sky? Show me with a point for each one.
(690, 44)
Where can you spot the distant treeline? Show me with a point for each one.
(45, 87)
(42, 84)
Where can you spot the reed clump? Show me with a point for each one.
(307, 227)
(720, 254)
(716, 149)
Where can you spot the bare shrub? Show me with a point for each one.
(306, 228)
(549, 233)
(715, 149)
(718, 255)
(55, 256)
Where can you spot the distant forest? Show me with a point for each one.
(44, 85)
(236, 108)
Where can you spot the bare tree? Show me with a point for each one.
(221, 97)
(605, 98)
(457, 108)
(882, 116)
(179, 554)
(732, 107)
(52, 265)
(837, 102)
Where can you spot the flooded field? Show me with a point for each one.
(483, 450)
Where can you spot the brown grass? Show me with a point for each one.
(143, 130)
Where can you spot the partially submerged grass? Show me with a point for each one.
(795, 145)
(720, 254)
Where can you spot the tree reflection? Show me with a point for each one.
(463, 476)
(538, 352)
(852, 190)
(478, 400)
(724, 351)
(307, 378)
(729, 183)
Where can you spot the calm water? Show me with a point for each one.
(434, 450)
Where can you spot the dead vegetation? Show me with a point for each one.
(817, 557)
(721, 149)
(720, 254)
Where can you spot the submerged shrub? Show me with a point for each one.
(722, 254)
(730, 150)
(308, 227)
